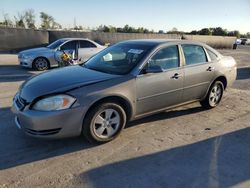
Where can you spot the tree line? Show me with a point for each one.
(217, 31)
(125, 29)
(26, 19)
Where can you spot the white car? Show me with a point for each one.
(238, 41)
(245, 41)
(46, 57)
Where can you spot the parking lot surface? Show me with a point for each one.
(184, 147)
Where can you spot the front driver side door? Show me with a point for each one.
(156, 91)
(70, 47)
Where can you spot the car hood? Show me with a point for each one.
(35, 50)
(61, 80)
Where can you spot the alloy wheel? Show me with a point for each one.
(107, 123)
(215, 95)
(41, 64)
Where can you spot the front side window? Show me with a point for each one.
(166, 58)
(194, 54)
(71, 45)
(118, 59)
(86, 44)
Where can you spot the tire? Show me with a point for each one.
(214, 95)
(104, 122)
(40, 64)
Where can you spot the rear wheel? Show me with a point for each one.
(41, 64)
(104, 122)
(214, 95)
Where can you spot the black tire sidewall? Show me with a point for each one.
(88, 126)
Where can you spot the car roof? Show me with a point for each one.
(74, 38)
(157, 42)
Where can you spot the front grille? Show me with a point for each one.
(43, 132)
(22, 63)
(20, 102)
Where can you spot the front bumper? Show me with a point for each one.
(25, 62)
(56, 124)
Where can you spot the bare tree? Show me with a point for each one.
(19, 20)
(7, 21)
(46, 20)
(30, 18)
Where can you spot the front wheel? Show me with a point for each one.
(40, 64)
(104, 122)
(214, 95)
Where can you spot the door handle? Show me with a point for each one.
(176, 76)
(210, 69)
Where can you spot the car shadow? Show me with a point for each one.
(14, 73)
(18, 148)
(243, 73)
(221, 161)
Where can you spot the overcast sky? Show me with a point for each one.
(185, 15)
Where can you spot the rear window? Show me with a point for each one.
(194, 54)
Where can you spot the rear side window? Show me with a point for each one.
(212, 55)
(166, 58)
(194, 54)
(86, 44)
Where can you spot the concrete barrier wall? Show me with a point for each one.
(214, 41)
(12, 38)
(111, 38)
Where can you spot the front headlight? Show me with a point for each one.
(54, 103)
(26, 56)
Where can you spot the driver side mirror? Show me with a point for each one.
(153, 69)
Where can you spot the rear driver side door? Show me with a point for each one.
(86, 50)
(198, 72)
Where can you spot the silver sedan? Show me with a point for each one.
(43, 58)
(126, 81)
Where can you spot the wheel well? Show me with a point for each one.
(118, 100)
(43, 58)
(223, 80)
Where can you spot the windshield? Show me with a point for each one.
(118, 59)
(55, 44)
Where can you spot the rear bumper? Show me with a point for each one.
(231, 76)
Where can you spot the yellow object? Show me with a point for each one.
(66, 57)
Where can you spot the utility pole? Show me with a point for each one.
(74, 22)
